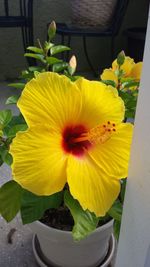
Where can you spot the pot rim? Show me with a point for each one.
(98, 229)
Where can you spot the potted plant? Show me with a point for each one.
(69, 150)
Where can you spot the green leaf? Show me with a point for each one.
(36, 73)
(123, 189)
(33, 69)
(75, 78)
(2, 149)
(37, 56)
(12, 100)
(16, 120)
(16, 128)
(119, 73)
(48, 45)
(130, 101)
(53, 60)
(58, 49)
(35, 49)
(121, 58)
(58, 67)
(1, 161)
(109, 82)
(28, 75)
(130, 84)
(117, 225)
(116, 210)
(5, 117)
(5, 155)
(17, 85)
(85, 221)
(130, 113)
(8, 158)
(33, 206)
(10, 200)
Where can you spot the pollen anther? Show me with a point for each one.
(98, 135)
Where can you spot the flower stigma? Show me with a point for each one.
(98, 135)
(77, 140)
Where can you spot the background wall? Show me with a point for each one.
(11, 48)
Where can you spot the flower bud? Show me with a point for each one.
(72, 65)
(51, 30)
(121, 58)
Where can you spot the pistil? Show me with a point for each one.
(97, 135)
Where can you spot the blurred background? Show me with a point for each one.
(12, 60)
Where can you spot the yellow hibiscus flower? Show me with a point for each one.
(136, 71)
(130, 70)
(109, 74)
(126, 66)
(75, 136)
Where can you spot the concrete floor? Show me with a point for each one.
(19, 252)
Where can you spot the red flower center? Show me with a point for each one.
(70, 145)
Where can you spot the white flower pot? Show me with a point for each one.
(59, 249)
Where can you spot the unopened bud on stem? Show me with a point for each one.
(121, 58)
(52, 30)
(72, 65)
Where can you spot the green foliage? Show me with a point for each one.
(123, 189)
(5, 117)
(58, 49)
(130, 101)
(36, 56)
(8, 132)
(117, 225)
(59, 67)
(44, 53)
(7, 158)
(16, 128)
(116, 210)
(16, 124)
(33, 206)
(35, 49)
(48, 46)
(109, 82)
(130, 84)
(85, 221)
(1, 161)
(10, 200)
(12, 100)
(17, 85)
(53, 60)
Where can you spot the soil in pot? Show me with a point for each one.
(61, 219)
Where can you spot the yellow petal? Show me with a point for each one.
(113, 155)
(39, 165)
(50, 99)
(100, 103)
(88, 184)
(108, 74)
(126, 66)
(136, 71)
